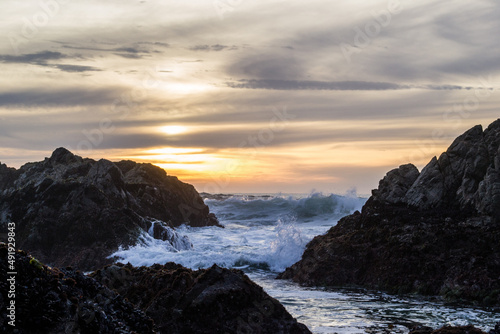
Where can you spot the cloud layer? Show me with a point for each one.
(338, 85)
(369, 85)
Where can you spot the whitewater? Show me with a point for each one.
(265, 233)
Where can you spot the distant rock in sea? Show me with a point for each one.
(436, 232)
(74, 211)
(123, 299)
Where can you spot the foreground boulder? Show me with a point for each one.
(49, 300)
(435, 233)
(123, 299)
(213, 300)
(74, 211)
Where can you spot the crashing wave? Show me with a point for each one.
(160, 230)
(247, 207)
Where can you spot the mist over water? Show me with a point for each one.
(265, 233)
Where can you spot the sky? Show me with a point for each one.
(248, 96)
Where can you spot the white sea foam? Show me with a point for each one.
(287, 246)
(265, 234)
(268, 232)
(148, 249)
(168, 234)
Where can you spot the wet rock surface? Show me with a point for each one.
(74, 211)
(432, 233)
(213, 300)
(453, 330)
(51, 300)
(124, 299)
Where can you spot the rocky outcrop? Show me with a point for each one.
(51, 300)
(435, 233)
(447, 330)
(453, 330)
(213, 300)
(74, 211)
(465, 177)
(394, 186)
(123, 299)
(7, 175)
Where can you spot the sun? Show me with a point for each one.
(173, 129)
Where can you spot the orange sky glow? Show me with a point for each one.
(266, 96)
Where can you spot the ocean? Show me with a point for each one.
(265, 233)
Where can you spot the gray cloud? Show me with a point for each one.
(472, 64)
(42, 58)
(165, 45)
(456, 40)
(289, 136)
(129, 55)
(129, 50)
(127, 141)
(247, 106)
(332, 85)
(59, 97)
(119, 49)
(236, 138)
(33, 58)
(125, 52)
(75, 68)
(419, 66)
(216, 47)
(314, 85)
(276, 64)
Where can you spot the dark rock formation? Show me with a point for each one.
(394, 186)
(160, 299)
(465, 177)
(433, 233)
(496, 330)
(212, 300)
(49, 300)
(447, 330)
(74, 211)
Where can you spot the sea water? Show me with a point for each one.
(265, 233)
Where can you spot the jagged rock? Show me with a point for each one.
(149, 184)
(428, 189)
(123, 299)
(447, 330)
(487, 196)
(419, 329)
(51, 300)
(437, 236)
(159, 230)
(394, 186)
(213, 300)
(7, 176)
(74, 211)
(464, 178)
